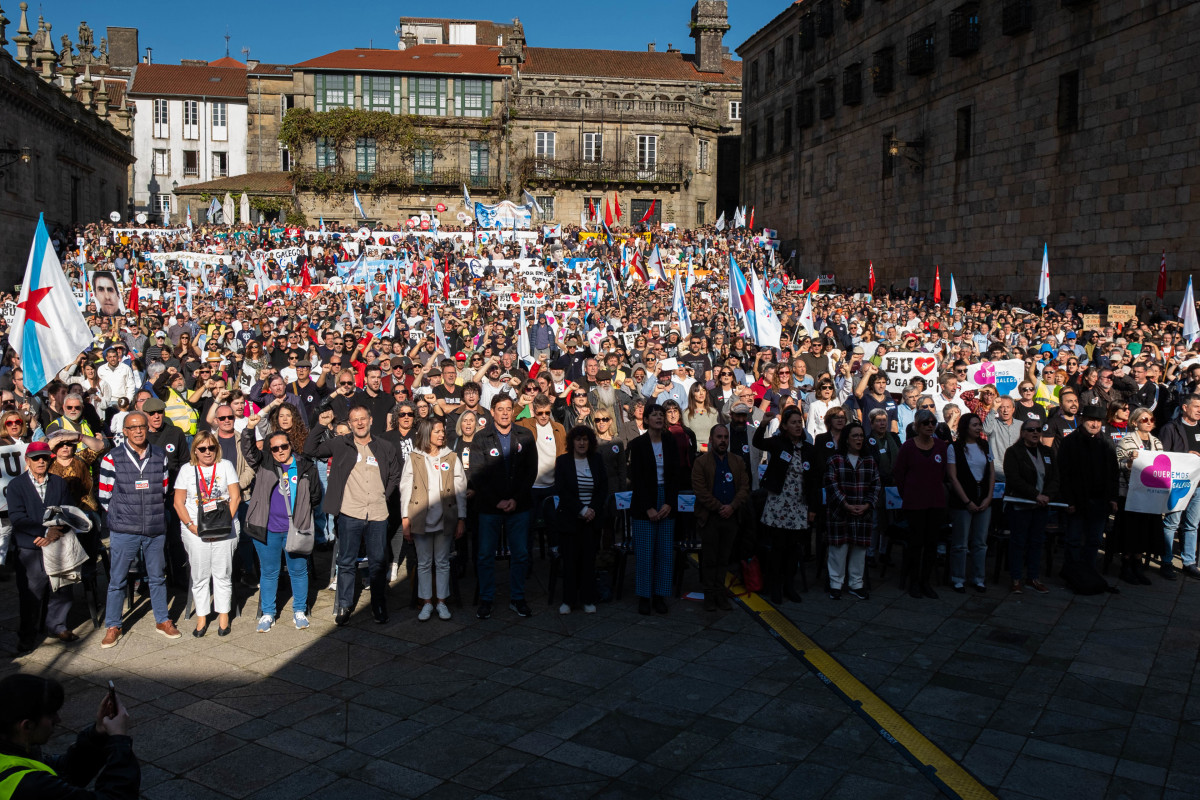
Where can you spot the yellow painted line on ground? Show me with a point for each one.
(946, 773)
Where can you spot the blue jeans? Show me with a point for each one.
(125, 548)
(320, 518)
(1085, 530)
(517, 526)
(1190, 518)
(1027, 528)
(351, 534)
(268, 581)
(968, 532)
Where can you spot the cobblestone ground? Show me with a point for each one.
(1038, 696)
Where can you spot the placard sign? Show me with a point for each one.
(1121, 314)
(1090, 321)
(1162, 482)
(901, 368)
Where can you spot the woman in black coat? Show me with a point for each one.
(581, 484)
(655, 475)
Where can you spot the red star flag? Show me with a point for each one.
(48, 331)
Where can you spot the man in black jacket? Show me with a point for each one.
(504, 466)
(29, 707)
(364, 471)
(1089, 485)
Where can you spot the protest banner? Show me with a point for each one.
(1004, 375)
(1162, 482)
(1090, 321)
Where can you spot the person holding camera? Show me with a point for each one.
(207, 496)
(29, 706)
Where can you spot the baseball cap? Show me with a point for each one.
(38, 450)
(1071, 335)
(460, 356)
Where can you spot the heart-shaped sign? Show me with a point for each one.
(571, 304)
(464, 303)
(925, 364)
(1005, 384)
(1158, 474)
(516, 298)
(986, 373)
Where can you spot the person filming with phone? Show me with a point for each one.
(29, 707)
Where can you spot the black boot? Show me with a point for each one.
(1128, 573)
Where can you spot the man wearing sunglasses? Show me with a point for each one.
(76, 428)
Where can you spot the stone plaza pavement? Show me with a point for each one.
(1038, 696)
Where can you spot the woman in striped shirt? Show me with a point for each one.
(581, 484)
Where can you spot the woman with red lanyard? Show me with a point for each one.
(207, 482)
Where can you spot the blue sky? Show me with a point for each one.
(293, 31)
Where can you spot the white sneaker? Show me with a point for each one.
(301, 620)
(443, 611)
(588, 608)
(564, 609)
(426, 612)
(264, 623)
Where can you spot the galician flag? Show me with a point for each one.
(1187, 314)
(1044, 280)
(953, 292)
(524, 352)
(358, 205)
(48, 331)
(679, 306)
(768, 327)
(439, 334)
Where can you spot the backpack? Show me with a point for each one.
(1082, 578)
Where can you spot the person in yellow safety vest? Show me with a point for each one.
(29, 706)
(72, 421)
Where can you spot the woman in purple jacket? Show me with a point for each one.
(920, 475)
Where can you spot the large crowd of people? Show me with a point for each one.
(256, 393)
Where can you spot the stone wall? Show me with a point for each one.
(77, 167)
(1007, 161)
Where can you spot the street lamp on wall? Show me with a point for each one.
(914, 151)
(11, 155)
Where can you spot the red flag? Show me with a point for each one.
(871, 277)
(751, 226)
(937, 284)
(1162, 277)
(425, 288)
(650, 212)
(608, 217)
(591, 210)
(446, 281)
(816, 284)
(133, 294)
(617, 205)
(305, 277)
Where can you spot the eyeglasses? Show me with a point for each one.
(73, 408)
(928, 422)
(725, 374)
(602, 419)
(280, 448)
(541, 413)
(1029, 430)
(398, 391)
(345, 383)
(205, 448)
(926, 406)
(292, 358)
(1026, 389)
(225, 418)
(406, 414)
(13, 423)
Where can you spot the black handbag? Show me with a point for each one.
(215, 524)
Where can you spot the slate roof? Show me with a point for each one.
(251, 182)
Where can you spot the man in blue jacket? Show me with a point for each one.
(133, 490)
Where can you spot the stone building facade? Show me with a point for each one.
(967, 134)
(566, 124)
(64, 146)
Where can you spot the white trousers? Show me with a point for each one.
(842, 559)
(210, 562)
